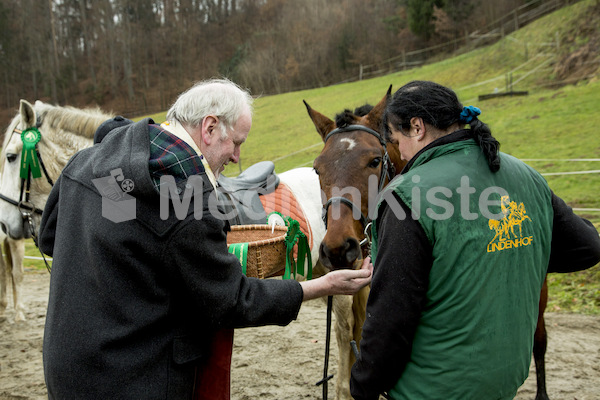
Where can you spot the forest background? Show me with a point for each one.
(133, 57)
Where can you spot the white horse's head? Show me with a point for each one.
(64, 131)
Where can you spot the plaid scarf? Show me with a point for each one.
(169, 155)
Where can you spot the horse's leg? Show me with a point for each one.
(539, 346)
(359, 309)
(350, 314)
(15, 252)
(3, 277)
(344, 329)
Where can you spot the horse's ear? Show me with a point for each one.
(323, 124)
(28, 117)
(374, 117)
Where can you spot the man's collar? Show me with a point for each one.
(178, 130)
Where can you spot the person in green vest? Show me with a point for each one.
(462, 242)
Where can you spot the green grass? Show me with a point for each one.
(547, 124)
(577, 292)
(33, 264)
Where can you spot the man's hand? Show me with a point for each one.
(343, 281)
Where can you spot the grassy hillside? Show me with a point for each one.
(553, 122)
(283, 132)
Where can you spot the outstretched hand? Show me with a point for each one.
(349, 281)
(344, 281)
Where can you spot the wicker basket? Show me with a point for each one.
(266, 250)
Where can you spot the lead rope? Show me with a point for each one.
(44, 170)
(326, 377)
(27, 218)
(35, 240)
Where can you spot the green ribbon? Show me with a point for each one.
(304, 254)
(290, 241)
(29, 160)
(240, 250)
(295, 236)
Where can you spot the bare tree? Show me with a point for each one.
(133, 56)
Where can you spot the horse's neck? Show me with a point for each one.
(395, 157)
(57, 153)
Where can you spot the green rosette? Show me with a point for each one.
(29, 160)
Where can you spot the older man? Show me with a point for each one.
(135, 303)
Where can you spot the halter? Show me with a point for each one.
(30, 149)
(387, 171)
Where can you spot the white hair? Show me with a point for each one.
(219, 97)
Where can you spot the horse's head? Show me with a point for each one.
(354, 165)
(62, 132)
(10, 160)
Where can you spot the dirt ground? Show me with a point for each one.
(280, 363)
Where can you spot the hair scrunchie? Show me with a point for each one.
(468, 114)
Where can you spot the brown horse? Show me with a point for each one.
(353, 166)
(355, 156)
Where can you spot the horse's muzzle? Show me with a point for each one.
(341, 257)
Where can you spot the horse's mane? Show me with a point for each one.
(72, 122)
(363, 110)
(82, 122)
(348, 117)
(345, 118)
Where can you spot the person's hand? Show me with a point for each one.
(349, 281)
(344, 281)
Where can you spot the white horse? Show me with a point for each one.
(57, 146)
(66, 130)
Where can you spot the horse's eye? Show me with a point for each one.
(316, 171)
(375, 162)
(11, 157)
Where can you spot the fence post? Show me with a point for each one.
(360, 73)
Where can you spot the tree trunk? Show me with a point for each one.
(86, 44)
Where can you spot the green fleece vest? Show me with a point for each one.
(490, 234)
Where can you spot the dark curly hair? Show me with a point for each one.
(438, 106)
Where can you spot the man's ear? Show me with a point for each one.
(210, 129)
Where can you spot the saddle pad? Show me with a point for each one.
(283, 200)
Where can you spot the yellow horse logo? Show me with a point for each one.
(513, 216)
